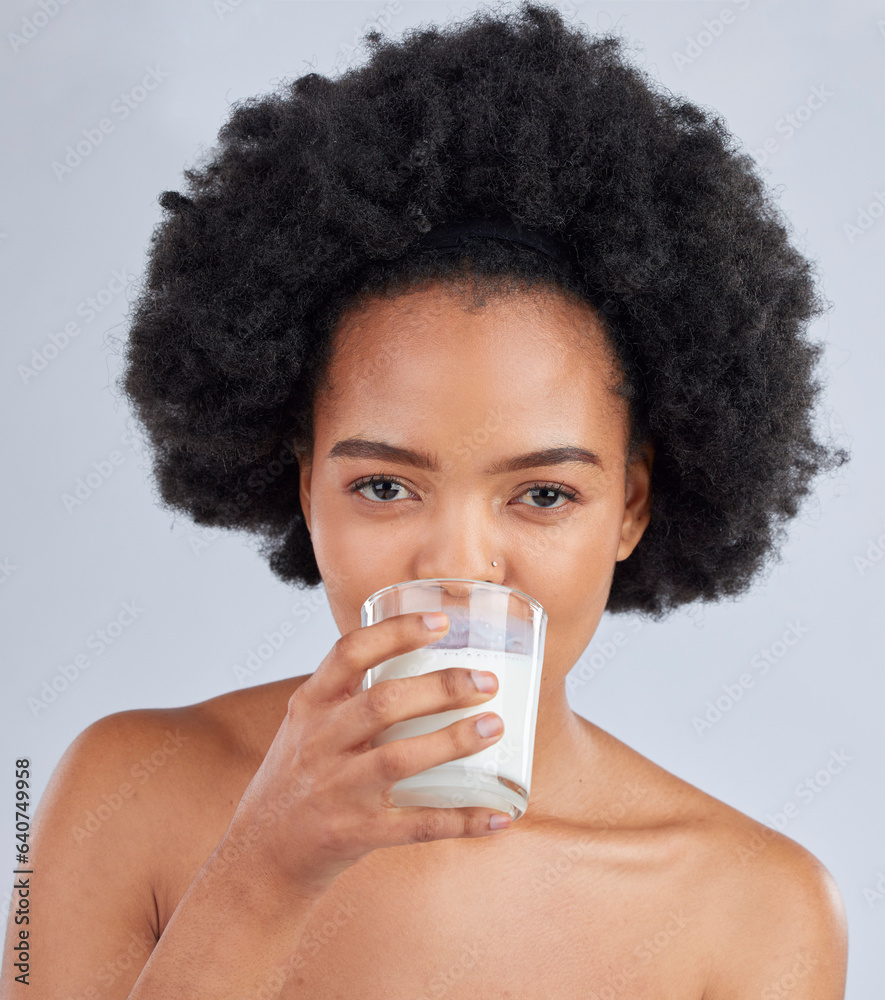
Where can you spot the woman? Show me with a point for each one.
(490, 306)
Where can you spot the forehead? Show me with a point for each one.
(432, 369)
(443, 337)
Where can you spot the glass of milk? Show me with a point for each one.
(491, 628)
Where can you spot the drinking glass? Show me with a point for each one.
(491, 628)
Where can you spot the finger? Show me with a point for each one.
(341, 672)
(381, 767)
(401, 698)
(418, 824)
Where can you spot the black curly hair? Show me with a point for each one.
(314, 195)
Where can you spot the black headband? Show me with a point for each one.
(449, 236)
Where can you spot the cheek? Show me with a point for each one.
(575, 603)
(333, 536)
(577, 579)
(571, 575)
(351, 552)
(579, 547)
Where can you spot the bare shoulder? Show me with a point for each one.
(131, 811)
(140, 775)
(200, 754)
(770, 915)
(95, 843)
(145, 746)
(230, 730)
(120, 778)
(773, 914)
(777, 916)
(115, 756)
(244, 722)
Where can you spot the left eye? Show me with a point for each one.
(567, 495)
(388, 485)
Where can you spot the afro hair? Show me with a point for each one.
(314, 196)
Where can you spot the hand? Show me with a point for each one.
(322, 760)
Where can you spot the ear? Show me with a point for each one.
(304, 466)
(637, 500)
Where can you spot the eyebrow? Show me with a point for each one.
(362, 448)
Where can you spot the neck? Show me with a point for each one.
(564, 745)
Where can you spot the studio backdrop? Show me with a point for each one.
(772, 703)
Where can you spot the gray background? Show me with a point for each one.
(206, 598)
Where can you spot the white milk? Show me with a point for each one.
(498, 776)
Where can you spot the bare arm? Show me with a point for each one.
(236, 930)
(92, 919)
(234, 934)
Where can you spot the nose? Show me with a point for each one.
(461, 544)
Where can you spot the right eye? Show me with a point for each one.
(377, 483)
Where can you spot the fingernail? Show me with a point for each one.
(499, 821)
(436, 621)
(489, 725)
(483, 681)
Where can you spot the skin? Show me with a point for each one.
(532, 372)
(620, 880)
